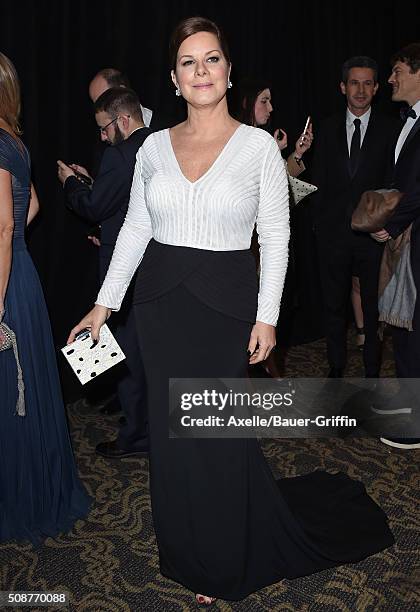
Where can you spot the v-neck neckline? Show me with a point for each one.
(213, 165)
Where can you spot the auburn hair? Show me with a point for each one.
(193, 25)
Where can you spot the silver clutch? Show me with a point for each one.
(6, 337)
(89, 359)
(8, 341)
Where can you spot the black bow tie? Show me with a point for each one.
(407, 112)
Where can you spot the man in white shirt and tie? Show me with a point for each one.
(405, 81)
(352, 155)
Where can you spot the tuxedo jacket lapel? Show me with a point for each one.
(367, 140)
(414, 130)
(343, 149)
(397, 135)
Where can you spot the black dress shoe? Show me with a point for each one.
(112, 407)
(112, 451)
(335, 373)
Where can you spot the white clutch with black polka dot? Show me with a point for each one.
(299, 189)
(88, 359)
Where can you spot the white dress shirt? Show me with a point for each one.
(147, 115)
(407, 127)
(246, 184)
(364, 121)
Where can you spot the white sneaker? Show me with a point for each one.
(401, 443)
(406, 410)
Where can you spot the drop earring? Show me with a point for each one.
(229, 84)
(177, 91)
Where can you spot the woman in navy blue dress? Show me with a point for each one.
(40, 492)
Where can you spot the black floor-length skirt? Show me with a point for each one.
(224, 526)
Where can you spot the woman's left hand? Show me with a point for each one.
(304, 141)
(261, 342)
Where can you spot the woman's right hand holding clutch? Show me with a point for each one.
(93, 321)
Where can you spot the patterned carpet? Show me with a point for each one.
(109, 562)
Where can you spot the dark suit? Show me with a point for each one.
(406, 178)
(343, 252)
(107, 203)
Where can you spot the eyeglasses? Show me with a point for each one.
(104, 129)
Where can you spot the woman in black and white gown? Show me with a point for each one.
(224, 526)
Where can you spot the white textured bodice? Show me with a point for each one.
(246, 184)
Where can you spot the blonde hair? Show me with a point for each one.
(9, 94)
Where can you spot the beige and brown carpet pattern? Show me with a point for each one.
(109, 562)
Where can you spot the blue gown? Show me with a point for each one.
(40, 492)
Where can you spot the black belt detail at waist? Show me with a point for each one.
(223, 280)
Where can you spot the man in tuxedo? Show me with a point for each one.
(103, 80)
(121, 126)
(405, 81)
(351, 155)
